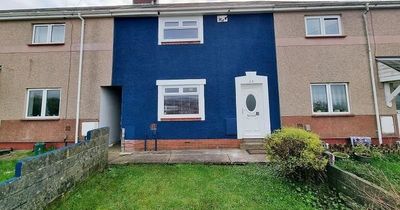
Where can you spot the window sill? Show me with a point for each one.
(180, 42)
(180, 119)
(41, 119)
(45, 44)
(325, 36)
(333, 115)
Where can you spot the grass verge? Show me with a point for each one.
(185, 186)
(7, 163)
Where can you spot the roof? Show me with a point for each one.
(192, 8)
(393, 62)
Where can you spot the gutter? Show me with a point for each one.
(372, 72)
(168, 10)
(78, 100)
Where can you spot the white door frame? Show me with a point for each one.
(252, 78)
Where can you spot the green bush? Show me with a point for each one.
(363, 150)
(297, 154)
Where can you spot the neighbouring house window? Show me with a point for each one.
(181, 99)
(323, 25)
(43, 103)
(180, 30)
(48, 33)
(330, 98)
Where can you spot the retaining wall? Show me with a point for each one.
(41, 179)
(360, 189)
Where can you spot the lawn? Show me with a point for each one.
(388, 166)
(195, 187)
(7, 163)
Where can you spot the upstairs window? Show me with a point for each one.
(180, 30)
(331, 98)
(43, 103)
(181, 99)
(48, 33)
(323, 26)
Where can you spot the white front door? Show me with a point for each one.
(252, 106)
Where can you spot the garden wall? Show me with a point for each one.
(360, 189)
(41, 179)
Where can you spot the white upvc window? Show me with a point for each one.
(330, 98)
(48, 34)
(43, 103)
(181, 99)
(183, 30)
(323, 25)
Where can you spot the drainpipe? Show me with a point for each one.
(78, 100)
(371, 68)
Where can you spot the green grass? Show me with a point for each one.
(195, 187)
(7, 163)
(388, 166)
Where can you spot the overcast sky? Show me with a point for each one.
(27, 4)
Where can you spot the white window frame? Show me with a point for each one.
(322, 25)
(180, 20)
(49, 32)
(43, 107)
(329, 98)
(198, 83)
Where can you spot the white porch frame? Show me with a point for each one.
(389, 96)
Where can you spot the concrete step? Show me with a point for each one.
(252, 145)
(253, 140)
(256, 151)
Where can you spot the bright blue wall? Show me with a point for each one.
(244, 43)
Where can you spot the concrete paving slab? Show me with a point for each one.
(211, 156)
(199, 158)
(238, 158)
(150, 158)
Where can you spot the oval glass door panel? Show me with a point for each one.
(251, 102)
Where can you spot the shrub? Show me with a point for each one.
(367, 151)
(361, 149)
(297, 154)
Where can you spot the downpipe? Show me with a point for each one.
(371, 68)
(78, 101)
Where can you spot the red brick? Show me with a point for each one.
(332, 127)
(177, 144)
(16, 133)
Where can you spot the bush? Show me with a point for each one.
(367, 151)
(297, 154)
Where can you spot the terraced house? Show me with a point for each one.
(200, 75)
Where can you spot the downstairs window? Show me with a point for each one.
(181, 100)
(331, 98)
(43, 103)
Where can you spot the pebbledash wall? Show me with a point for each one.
(245, 42)
(27, 66)
(303, 61)
(41, 179)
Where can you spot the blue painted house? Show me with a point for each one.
(203, 81)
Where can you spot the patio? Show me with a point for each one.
(210, 156)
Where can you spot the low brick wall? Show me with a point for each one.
(41, 179)
(360, 189)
